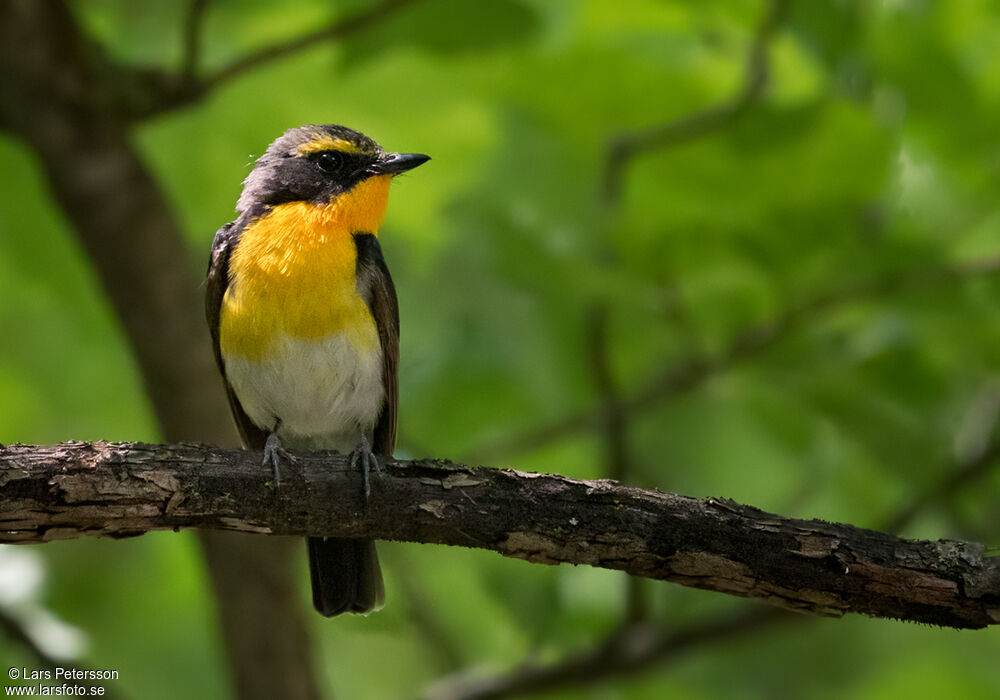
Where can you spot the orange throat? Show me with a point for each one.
(293, 274)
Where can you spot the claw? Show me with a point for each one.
(364, 459)
(274, 453)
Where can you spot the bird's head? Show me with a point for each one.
(326, 165)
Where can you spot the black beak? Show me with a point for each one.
(396, 163)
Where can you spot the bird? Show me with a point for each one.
(304, 322)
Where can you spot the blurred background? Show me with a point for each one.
(743, 249)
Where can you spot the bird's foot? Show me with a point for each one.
(273, 454)
(364, 459)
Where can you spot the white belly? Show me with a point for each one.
(324, 392)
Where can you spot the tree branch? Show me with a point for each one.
(629, 650)
(971, 471)
(192, 40)
(615, 429)
(626, 146)
(164, 92)
(352, 24)
(612, 414)
(612, 418)
(125, 489)
(693, 371)
(434, 634)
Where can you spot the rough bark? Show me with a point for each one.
(828, 569)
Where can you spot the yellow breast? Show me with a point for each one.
(293, 274)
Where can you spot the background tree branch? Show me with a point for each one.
(615, 432)
(690, 373)
(612, 415)
(193, 23)
(626, 146)
(828, 569)
(628, 650)
(161, 92)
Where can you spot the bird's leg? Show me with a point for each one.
(274, 453)
(364, 459)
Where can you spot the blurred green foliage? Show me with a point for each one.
(872, 154)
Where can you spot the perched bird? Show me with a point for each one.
(305, 323)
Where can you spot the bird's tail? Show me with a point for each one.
(345, 575)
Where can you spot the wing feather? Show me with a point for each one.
(215, 289)
(376, 287)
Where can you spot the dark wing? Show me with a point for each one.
(375, 286)
(215, 289)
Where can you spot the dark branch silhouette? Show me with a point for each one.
(352, 24)
(160, 92)
(438, 644)
(629, 650)
(192, 40)
(612, 416)
(692, 372)
(947, 486)
(125, 489)
(615, 427)
(628, 145)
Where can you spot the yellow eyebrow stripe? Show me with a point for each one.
(327, 143)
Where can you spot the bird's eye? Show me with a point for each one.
(329, 161)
